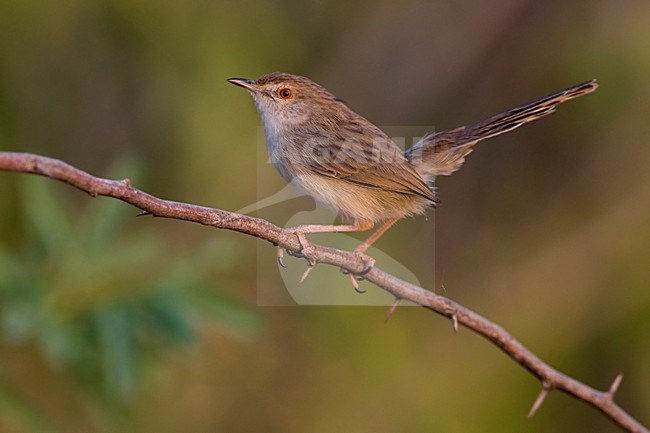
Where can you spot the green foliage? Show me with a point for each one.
(96, 299)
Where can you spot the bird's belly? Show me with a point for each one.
(358, 202)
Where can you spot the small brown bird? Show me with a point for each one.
(342, 160)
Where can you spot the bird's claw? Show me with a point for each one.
(355, 284)
(280, 256)
(369, 263)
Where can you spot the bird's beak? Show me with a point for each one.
(244, 82)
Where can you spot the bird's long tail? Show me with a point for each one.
(444, 152)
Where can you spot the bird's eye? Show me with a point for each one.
(285, 93)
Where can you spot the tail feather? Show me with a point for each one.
(444, 152)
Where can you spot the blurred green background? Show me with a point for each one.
(111, 323)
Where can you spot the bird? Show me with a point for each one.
(319, 144)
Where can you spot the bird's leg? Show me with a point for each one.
(300, 231)
(363, 246)
(357, 226)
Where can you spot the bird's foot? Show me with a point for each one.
(305, 246)
(368, 262)
(305, 249)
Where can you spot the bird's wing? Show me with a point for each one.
(377, 164)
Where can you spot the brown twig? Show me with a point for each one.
(551, 379)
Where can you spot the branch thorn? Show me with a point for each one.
(546, 388)
(305, 274)
(391, 309)
(614, 386)
(442, 286)
(454, 322)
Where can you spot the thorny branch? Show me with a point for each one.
(550, 378)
